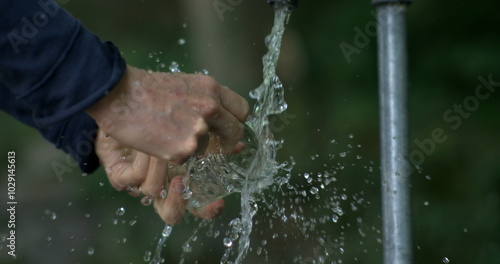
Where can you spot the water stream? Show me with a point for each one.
(305, 207)
(269, 98)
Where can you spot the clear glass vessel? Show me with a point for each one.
(214, 175)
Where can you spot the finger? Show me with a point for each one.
(190, 131)
(156, 177)
(111, 151)
(227, 127)
(234, 103)
(124, 175)
(172, 209)
(208, 211)
(238, 148)
(222, 109)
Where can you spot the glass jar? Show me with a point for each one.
(211, 176)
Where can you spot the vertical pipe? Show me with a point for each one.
(392, 66)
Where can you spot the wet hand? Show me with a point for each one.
(145, 177)
(169, 115)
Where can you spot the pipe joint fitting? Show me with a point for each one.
(388, 2)
(290, 5)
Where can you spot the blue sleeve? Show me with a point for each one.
(51, 70)
(75, 135)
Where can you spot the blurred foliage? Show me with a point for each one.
(456, 193)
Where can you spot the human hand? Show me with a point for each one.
(169, 115)
(146, 177)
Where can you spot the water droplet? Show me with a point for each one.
(259, 250)
(228, 242)
(49, 238)
(90, 251)
(186, 248)
(284, 218)
(84, 174)
(306, 175)
(120, 211)
(184, 25)
(446, 260)
(123, 158)
(132, 222)
(427, 177)
(314, 190)
(163, 194)
(351, 136)
(426, 203)
(101, 184)
(335, 218)
(181, 41)
(343, 196)
(205, 71)
(254, 208)
(147, 256)
(174, 67)
(49, 214)
(167, 231)
(342, 154)
(146, 200)
(187, 194)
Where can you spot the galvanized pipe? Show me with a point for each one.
(392, 66)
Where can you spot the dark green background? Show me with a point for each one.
(455, 195)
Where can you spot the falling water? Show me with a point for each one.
(291, 210)
(270, 101)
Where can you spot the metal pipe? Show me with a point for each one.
(289, 4)
(392, 66)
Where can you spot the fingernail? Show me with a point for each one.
(179, 187)
(216, 211)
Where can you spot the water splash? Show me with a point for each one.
(157, 259)
(270, 101)
(269, 98)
